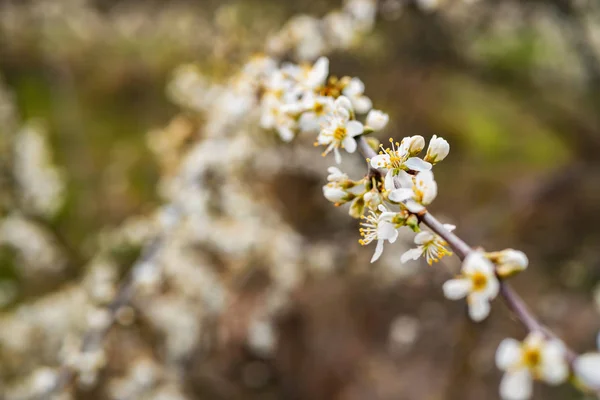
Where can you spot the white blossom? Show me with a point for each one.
(373, 198)
(400, 156)
(336, 188)
(303, 35)
(340, 28)
(41, 184)
(354, 90)
(477, 282)
(429, 244)
(415, 192)
(377, 120)
(339, 131)
(259, 67)
(315, 111)
(363, 12)
(378, 226)
(309, 77)
(535, 358)
(273, 117)
(438, 150)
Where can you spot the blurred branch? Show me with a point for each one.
(93, 338)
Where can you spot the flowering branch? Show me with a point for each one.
(295, 100)
(398, 178)
(462, 249)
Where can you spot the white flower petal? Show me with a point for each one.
(455, 289)
(413, 206)
(449, 227)
(388, 182)
(380, 161)
(535, 340)
(412, 254)
(349, 144)
(516, 385)
(404, 179)
(343, 102)
(424, 237)
(362, 104)
(400, 195)
(309, 122)
(286, 134)
(378, 251)
(479, 307)
(417, 164)
(587, 369)
(492, 288)
(319, 72)
(355, 86)
(333, 194)
(386, 230)
(386, 215)
(354, 128)
(508, 353)
(515, 258)
(394, 236)
(427, 185)
(555, 373)
(476, 261)
(555, 369)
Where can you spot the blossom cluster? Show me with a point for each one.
(308, 37)
(395, 193)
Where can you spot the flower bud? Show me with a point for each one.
(412, 145)
(373, 198)
(438, 149)
(334, 194)
(357, 208)
(336, 175)
(344, 102)
(413, 222)
(377, 120)
(509, 262)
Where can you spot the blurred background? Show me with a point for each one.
(89, 133)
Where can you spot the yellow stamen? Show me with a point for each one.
(479, 280)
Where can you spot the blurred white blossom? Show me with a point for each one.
(477, 282)
(41, 184)
(535, 358)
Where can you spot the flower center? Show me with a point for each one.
(479, 281)
(532, 358)
(340, 133)
(319, 108)
(395, 161)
